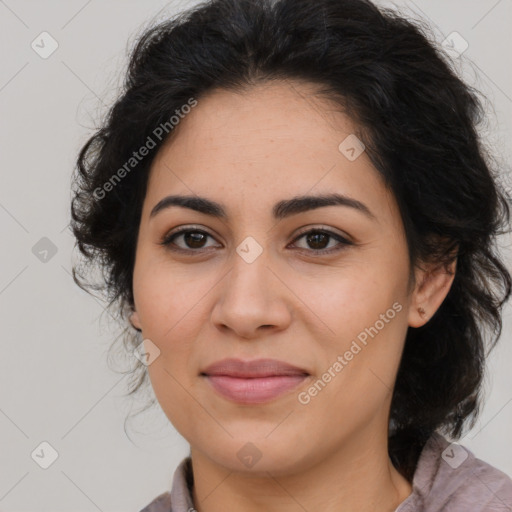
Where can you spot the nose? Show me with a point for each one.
(252, 301)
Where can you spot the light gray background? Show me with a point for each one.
(56, 385)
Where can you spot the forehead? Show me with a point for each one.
(277, 117)
(273, 141)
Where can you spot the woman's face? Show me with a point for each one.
(253, 285)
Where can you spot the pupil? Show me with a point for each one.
(314, 237)
(192, 238)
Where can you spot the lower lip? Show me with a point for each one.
(256, 390)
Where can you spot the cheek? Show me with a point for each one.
(170, 388)
(361, 318)
(171, 306)
(344, 302)
(168, 298)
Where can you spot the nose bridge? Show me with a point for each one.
(250, 298)
(250, 273)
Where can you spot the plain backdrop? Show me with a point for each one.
(56, 386)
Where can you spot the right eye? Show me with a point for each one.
(194, 240)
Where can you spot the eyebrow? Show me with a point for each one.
(281, 209)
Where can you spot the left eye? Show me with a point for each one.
(194, 239)
(318, 239)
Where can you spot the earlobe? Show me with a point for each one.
(433, 285)
(135, 321)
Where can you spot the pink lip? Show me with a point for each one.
(252, 382)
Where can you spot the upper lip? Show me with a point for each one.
(253, 368)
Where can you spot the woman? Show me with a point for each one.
(294, 211)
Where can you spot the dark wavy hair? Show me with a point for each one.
(418, 121)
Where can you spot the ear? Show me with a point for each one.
(433, 282)
(135, 320)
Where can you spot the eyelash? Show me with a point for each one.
(169, 238)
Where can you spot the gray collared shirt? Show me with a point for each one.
(448, 478)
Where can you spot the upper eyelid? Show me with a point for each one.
(320, 227)
(306, 229)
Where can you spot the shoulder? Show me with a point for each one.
(179, 498)
(162, 503)
(448, 476)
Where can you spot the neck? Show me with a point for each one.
(360, 476)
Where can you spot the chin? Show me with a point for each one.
(258, 456)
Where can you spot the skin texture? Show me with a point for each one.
(248, 151)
